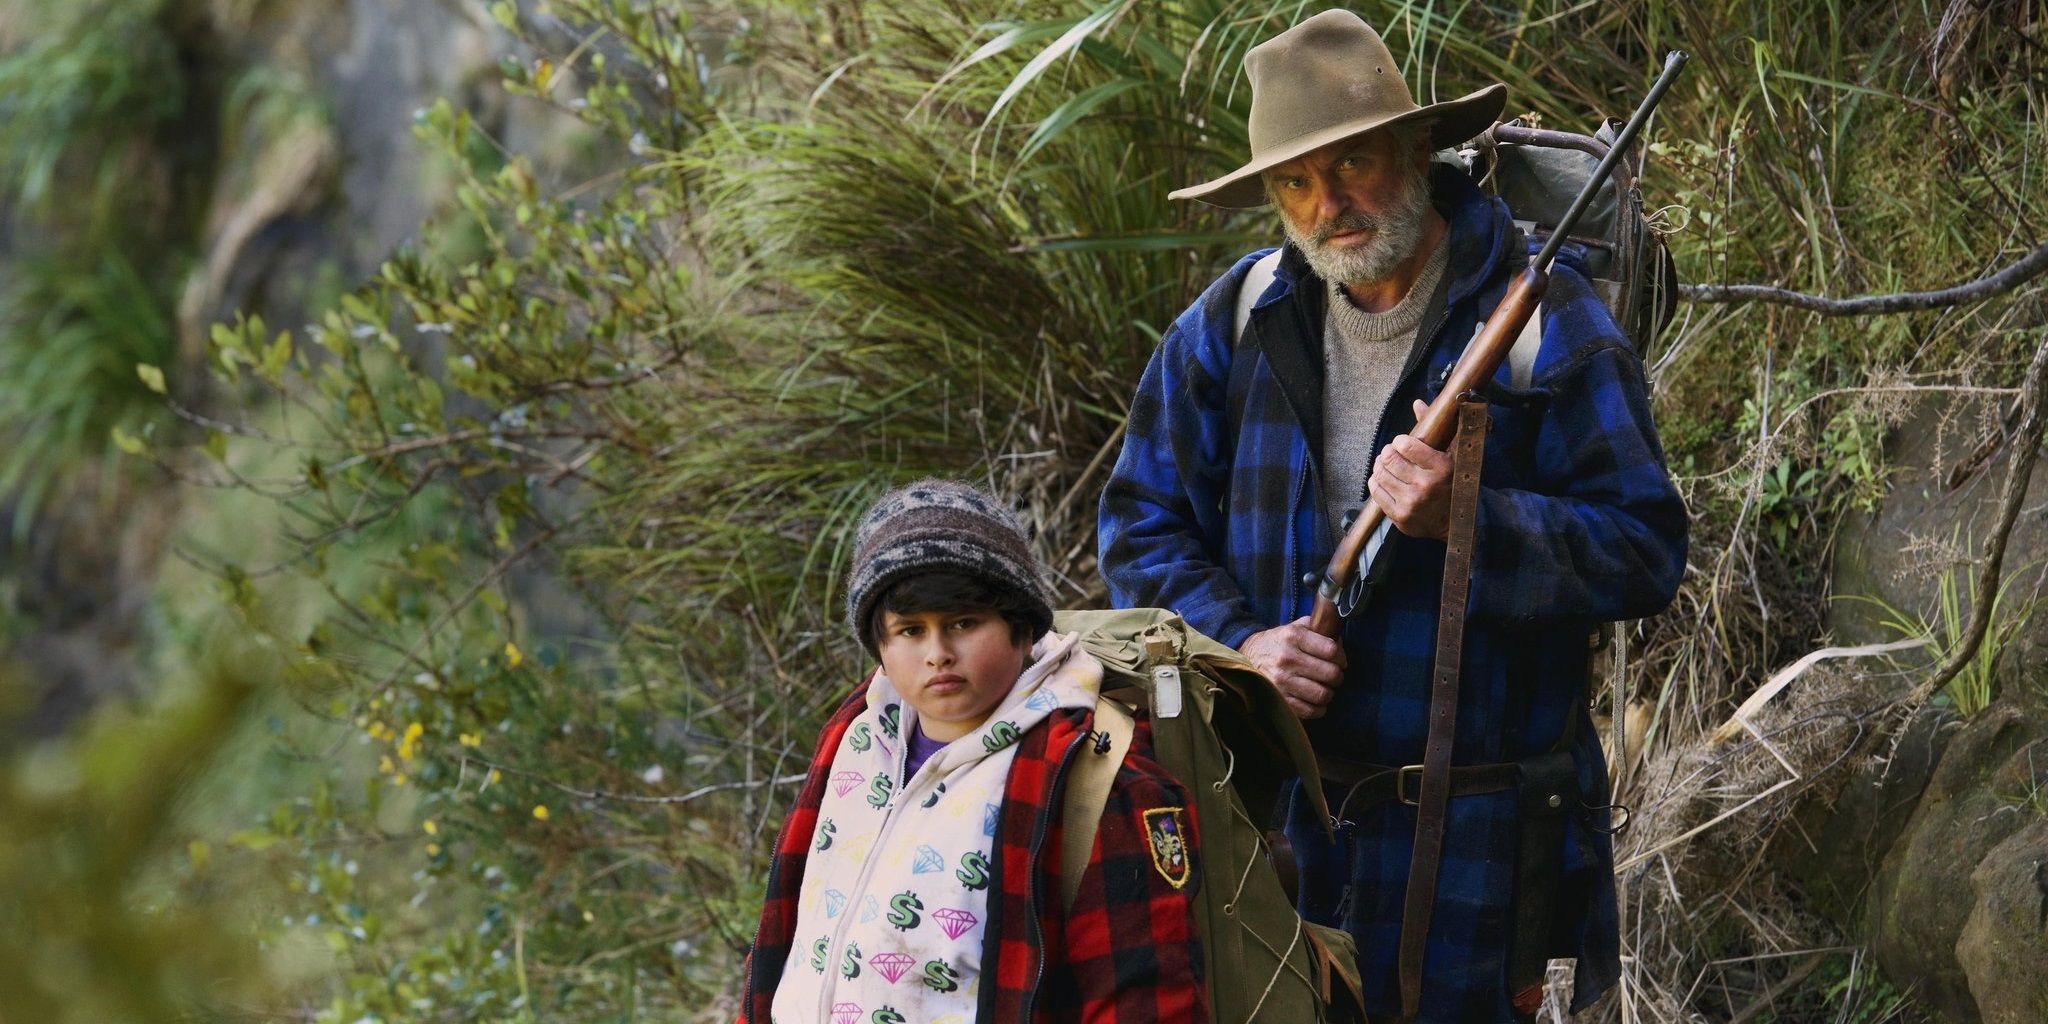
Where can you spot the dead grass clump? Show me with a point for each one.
(1715, 926)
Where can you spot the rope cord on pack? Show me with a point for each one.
(1230, 910)
(1285, 962)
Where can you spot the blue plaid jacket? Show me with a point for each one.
(1214, 510)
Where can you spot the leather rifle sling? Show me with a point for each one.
(1432, 803)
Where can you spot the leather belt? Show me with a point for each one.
(1365, 784)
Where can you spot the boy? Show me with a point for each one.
(918, 879)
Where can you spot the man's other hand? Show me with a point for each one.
(1305, 664)
(1411, 483)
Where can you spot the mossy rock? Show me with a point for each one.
(2004, 944)
(1840, 843)
(1919, 904)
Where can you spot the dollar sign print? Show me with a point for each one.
(878, 790)
(826, 830)
(1001, 735)
(850, 967)
(860, 738)
(885, 1015)
(973, 871)
(818, 955)
(940, 978)
(934, 798)
(892, 717)
(903, 908)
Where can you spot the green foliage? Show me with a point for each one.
(1847, 989)
(1973, 688)
(109, 914)
(72, 342)
(88, 81)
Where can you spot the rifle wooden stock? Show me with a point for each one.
(1436, 428)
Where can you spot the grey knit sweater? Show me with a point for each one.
(1363, 354)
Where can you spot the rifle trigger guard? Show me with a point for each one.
(1347, 599)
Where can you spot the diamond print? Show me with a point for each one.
(988, 819)
(1043, 700)
(835, 901)
(869, 909)
(845, 1013)
(928, 860)
(954, 920)
(843, 782)
(891, 965)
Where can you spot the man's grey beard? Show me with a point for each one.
(1393, 239)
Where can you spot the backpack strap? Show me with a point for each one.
(1088, 784)
(1255, 283)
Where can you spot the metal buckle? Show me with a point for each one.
(1401, 784)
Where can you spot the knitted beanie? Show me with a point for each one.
(940, 525)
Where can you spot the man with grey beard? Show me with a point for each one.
(1280, 402)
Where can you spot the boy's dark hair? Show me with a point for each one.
(955, 592)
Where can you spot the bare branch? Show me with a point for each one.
(629, 798)
(2031, 266)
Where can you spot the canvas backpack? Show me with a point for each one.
(1539, 173)
(1221, 728)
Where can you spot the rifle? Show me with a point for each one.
(1482, 357)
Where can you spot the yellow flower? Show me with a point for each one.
(512, 655)
(491, 779)
(433, 849)
(540, 811)
(471, 739)
(432, 829)
(410, 744)
(384, 764)
(398, 780)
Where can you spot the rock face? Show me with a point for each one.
(1942, 507)
(1839, 847)
(2004, 944)
(1957, 907)
(1920, 903)
(314, 186)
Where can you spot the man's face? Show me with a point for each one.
(954, 668)
(1354, 208)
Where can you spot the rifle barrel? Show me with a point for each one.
(1672, 62)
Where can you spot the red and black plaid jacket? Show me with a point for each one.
(1125, 954)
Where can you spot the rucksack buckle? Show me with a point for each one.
(1401, 777)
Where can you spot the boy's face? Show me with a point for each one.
(953, 667)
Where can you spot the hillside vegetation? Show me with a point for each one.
(509, 591)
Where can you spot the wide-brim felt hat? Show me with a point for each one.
(1326, 80)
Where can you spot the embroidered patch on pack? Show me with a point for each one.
(1166, 830)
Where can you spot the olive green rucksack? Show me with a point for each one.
(1221, 728)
